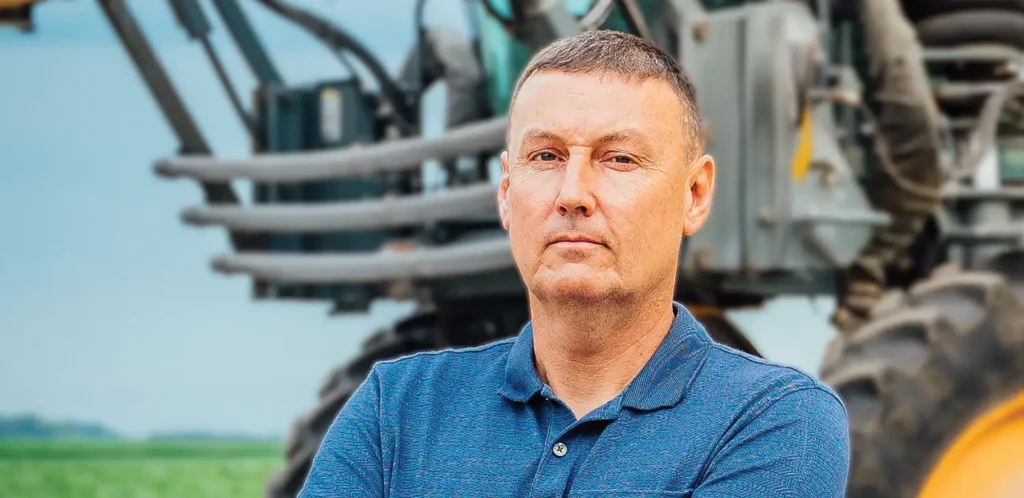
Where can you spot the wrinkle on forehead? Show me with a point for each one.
(581, 109)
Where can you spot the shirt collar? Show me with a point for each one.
(662, 382)
(521, 379)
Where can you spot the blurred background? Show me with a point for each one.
(113, 327)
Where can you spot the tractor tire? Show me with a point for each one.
(724, 332)
(929, 363)
(308, 431)
(410, 336)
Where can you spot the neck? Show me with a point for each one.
(589, 353)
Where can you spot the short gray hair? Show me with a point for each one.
(622, 54)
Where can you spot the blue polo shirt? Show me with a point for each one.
(699, 420)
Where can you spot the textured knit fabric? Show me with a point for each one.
(699, 420)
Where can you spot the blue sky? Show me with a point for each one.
(109, 310)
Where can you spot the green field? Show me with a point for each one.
(42, 469)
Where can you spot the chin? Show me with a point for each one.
(575, 286)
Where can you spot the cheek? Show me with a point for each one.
(642, 213)
(530, 197)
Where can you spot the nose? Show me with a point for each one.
(575, 195)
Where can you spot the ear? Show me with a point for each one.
(701, 186)
(503, 191)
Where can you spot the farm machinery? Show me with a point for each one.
(872, 150)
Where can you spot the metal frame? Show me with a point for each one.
(163, 91)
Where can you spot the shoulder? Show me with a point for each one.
(779, 428)
(468, 356)
(755, 385)
(444, 366)
(777, 408)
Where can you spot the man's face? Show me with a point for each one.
(599, 186)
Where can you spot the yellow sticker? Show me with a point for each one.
(802, 155)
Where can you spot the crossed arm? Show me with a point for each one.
(349, 461)
(798, 447)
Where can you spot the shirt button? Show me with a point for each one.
(560, 449)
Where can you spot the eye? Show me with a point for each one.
(621, 159)
(546, 156)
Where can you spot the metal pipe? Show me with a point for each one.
(598, 14)
(960, 90)
(352, 161)
(387, 212)
(983, 137)
(427, 263)
(190, 15)
(157, 81)
(416, 92)
(837, 217)
(979, 53)
(166, 96)
(247, 120)
(635, 19)
(252, 50)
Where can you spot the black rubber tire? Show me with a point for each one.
(308, 431)
(724, 332)
(927, 363)
(973, 26)
(920, 9)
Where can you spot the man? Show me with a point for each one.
(611, 389)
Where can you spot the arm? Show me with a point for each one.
(348, 462)
(797, 447)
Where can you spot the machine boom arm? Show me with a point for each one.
(156, 79)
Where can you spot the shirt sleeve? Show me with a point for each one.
(797, 447)
(348, 462)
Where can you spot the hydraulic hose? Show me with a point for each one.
(909, 141)
(347, 162)
(467, 258)
(339, 41)
(374, 214)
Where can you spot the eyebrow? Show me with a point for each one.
(627, 135)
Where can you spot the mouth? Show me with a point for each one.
(574, 240)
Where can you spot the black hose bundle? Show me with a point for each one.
(339, 41)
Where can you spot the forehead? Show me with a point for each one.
(582, 107)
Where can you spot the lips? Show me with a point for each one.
(575, 238)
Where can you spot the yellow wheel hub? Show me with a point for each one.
(986, 460)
